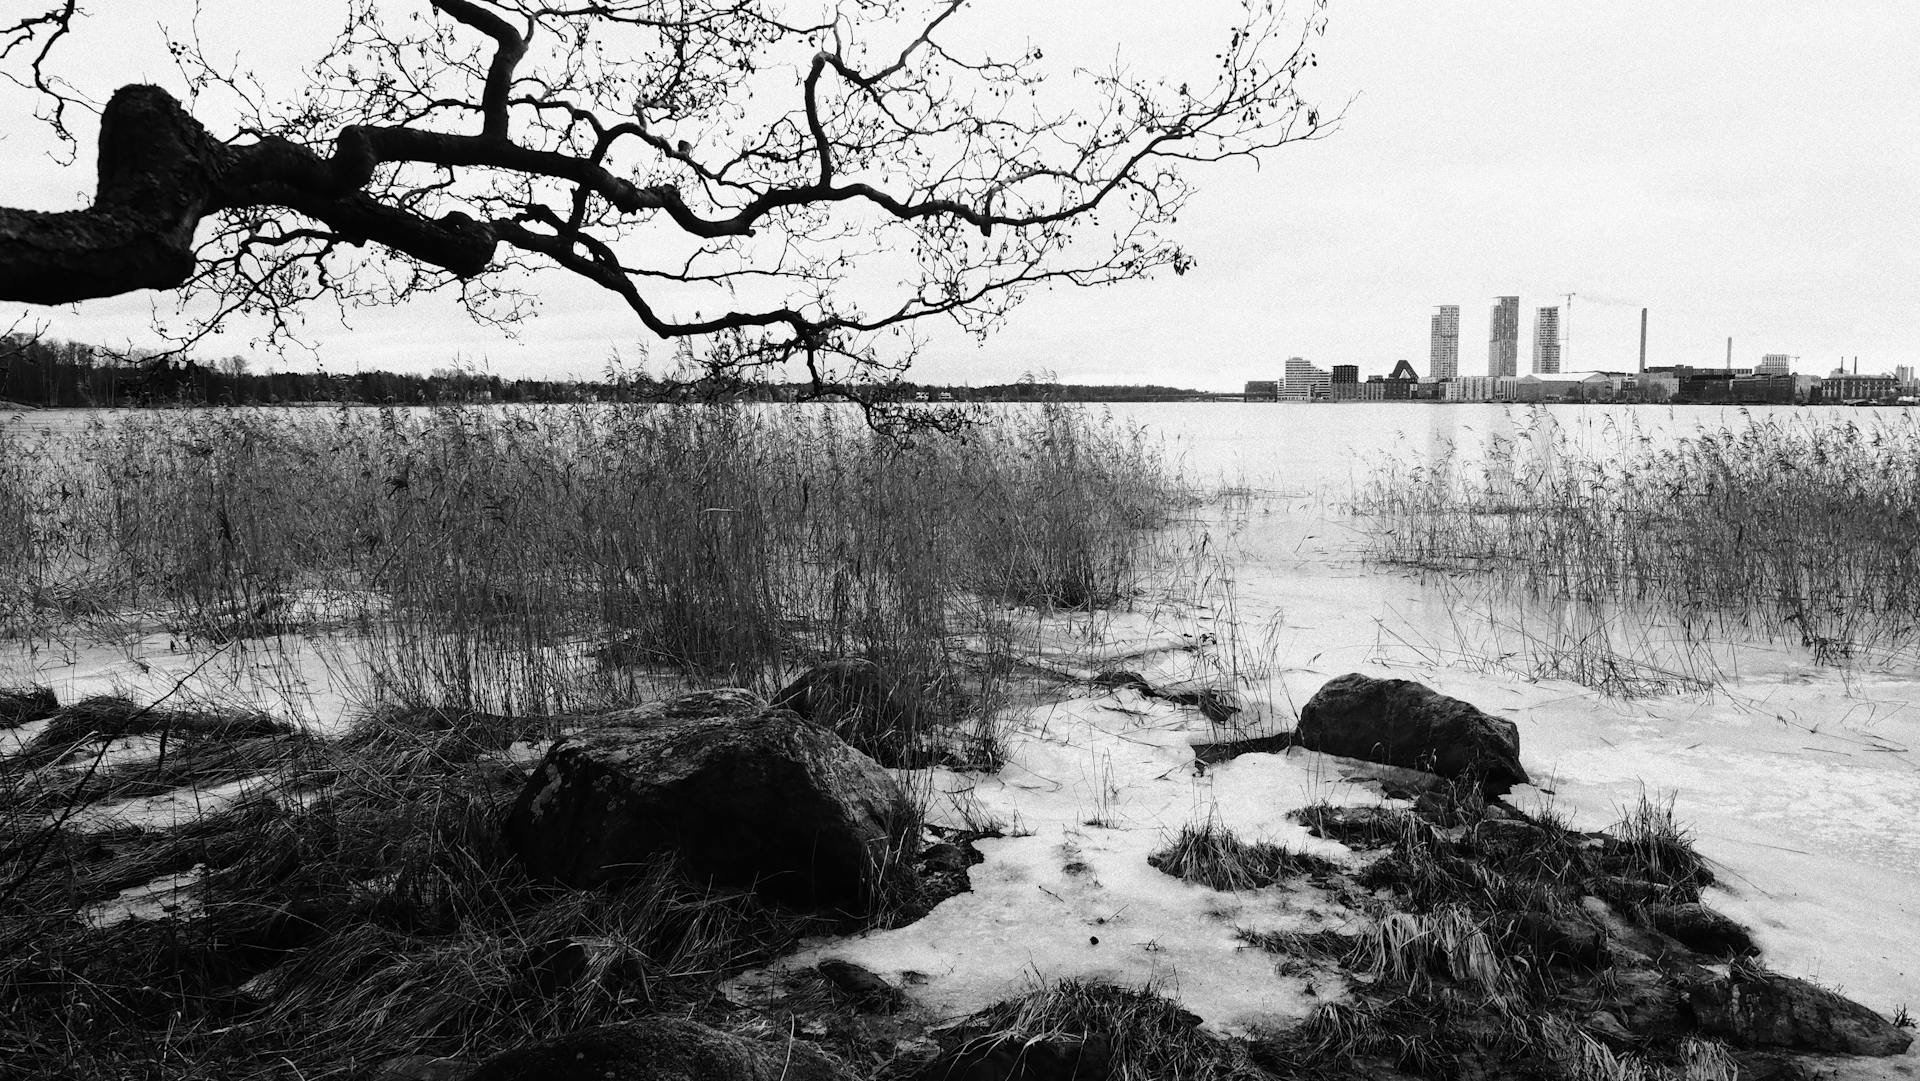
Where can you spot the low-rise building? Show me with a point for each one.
(1758, 389)
(1847, 387)
(1345, 385)
(1572, 386)
(1484, 388)
(1652, 387)
(1389, 389)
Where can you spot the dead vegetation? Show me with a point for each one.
(1074, 1029)
(1208, 853)
(1491, 948)
(1794, 528)
(359, 906)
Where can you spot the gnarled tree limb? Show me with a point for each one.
(626, 142)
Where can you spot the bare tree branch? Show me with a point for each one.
(719, 169)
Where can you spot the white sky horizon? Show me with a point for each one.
(1753, 175)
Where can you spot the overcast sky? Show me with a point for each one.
(1746, 170)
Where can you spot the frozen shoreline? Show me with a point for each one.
(1798, 783)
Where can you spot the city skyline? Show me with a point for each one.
(1552, 346)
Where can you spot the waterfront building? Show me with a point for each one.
(1503, 344)
(1483, 388)
(1546, 341)
(1846, 387)
(1654, 387)
(1389, 389)
(1262, 390)
(1444, 349)
(1345, 385)
(1762, 389)
(1304, 382)
(1774, 364)
(1571, 386)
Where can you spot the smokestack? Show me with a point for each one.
(1643, 341)
(1729, 352)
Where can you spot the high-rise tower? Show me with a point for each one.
(1503, 347)
(1546, 341)
(1445, 355)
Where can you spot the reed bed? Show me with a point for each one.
(542, 560)
(1795, 526)
(350, 899)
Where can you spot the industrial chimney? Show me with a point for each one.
(1643, 341)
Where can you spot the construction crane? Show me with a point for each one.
(1566, 334)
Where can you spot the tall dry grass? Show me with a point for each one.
(350, 900)
(545, 560)
(1796, 526)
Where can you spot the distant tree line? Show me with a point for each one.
(43, 372)
(47, 373)
(1031, 391)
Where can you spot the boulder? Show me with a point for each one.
(1700, 928)
(1563, 939)
(1356, 827)
(746, 795)
(1645, 1002)
(861, 986)
(1208, 754)
(659, 1049)
(1753, 1008)
(1401, 723)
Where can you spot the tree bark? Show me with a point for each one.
(152, 191)
(161, 173)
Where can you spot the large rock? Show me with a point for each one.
(747, 795)
(659, 1049)
(1698, 927)
(1751, 1007)
(1401, 723)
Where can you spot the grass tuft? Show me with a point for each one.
(1089, 1029)
(1208, 853)
(1419, 950)
(1649, 845)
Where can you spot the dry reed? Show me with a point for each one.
(1794, 526)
